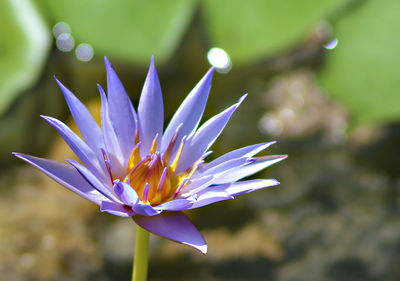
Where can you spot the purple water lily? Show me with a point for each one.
(132, 169)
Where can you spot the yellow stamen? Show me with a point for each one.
(154, 145)
(136, 134)
(178, 155)
(170, 146)
(152, 178)
(134, 158)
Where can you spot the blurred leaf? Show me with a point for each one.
(255, 29)
(23, 48)
(125, 29)
(363, 71)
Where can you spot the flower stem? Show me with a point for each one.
(140, 262)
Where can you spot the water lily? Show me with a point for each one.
(130, 167)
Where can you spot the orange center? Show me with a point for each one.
(153, 177)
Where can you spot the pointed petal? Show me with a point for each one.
(243, 187)
(175, 205)
(150, 110)
(122, 114)
(127, 194)
(225, 166)
(65, 175)
(88, 127)
(247, 170)
(210, 197)
(116, 209)
(145, 209)
(247, 151)
(205, 137)
(113, 150)
(204, 180)
(195, 185)
(175, 226)
(190, 111)
(92, 180)
(78, 146)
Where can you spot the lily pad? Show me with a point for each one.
(132, 31)
(363, 71)
(256, 29)
(23, 48)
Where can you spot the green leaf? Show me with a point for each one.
(125, 29)
(24, 45)
(363, 71)
(255, 29)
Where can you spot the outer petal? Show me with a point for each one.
(65, 175)
(210, 197)
(247, 170)
(122, 114)
(78, 146)
(243, 187)
(195, 185)
(190, 111)
(176, 205)
(205, 137)
(116, 209)
(204, 180)
(247, 151)
(127, 194)
(225, 166)
(150, 110)
(84, 120)
(111, 142)
(145, 209)
(92, 180)
(175, 226)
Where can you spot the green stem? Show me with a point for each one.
(140, 262)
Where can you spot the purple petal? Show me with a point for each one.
(92, 180)
(145, 209)
(190, 111)
(205, 137)
(122, 114)
(243, 187)
(247, 151)
(247, 170)
(175, 205)
(175, 226)
(225, 166)
(86, 124)
(65, 175)
(113, 149)
(116, 209)
(126, 193)
(210, 197)
(78, 146)
(195, 185)
(203, 180)
(150, 110)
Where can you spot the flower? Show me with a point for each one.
(132, 169)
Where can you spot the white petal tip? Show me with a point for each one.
(203, 248)
(242, 98)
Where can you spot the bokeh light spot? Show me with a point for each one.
(331, 45)
(61, 27)
(84, 52)
(219, 59)
(271, 125)
(65, 42)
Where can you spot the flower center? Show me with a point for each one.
(153, 177)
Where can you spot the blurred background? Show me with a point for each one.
(323, 80)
